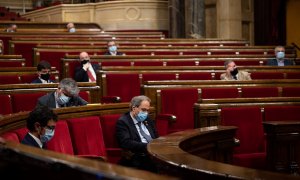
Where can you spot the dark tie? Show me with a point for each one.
(146, 136)
(234, 77)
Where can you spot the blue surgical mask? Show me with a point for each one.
(112, 48)
(142, 116)
(280, 55)
(49, 133)
(63, 99)
(72, 30)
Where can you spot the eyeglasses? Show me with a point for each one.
(51, 128)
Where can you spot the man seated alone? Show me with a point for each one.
(134, 130)
(232, 72)
(112, 49)
(86, 72)
(43, 71)
(280, 58)
(66, 95)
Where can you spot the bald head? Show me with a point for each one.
(84, 56)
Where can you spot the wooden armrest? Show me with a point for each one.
(171, 118)
(95, 157)
(110, 99)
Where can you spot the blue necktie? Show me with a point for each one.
(146, 136)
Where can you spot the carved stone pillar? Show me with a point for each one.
(195, 19)
(176, 19)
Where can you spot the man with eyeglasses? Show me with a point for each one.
(134, 130)
(41, 125)
(66, 95)
(43, 71)
(280, 58)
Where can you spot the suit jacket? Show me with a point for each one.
(28, 140)
(128, 136)
(38, 81)
(108, 53)
(81, 75)
(242, 76)
(49, 100)
(273, 62)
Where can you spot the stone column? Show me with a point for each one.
(195, 19)
(176, 19)
(229, 19)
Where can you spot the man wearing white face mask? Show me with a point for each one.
(134, 130)
(71, 27)
(66, 95)
(41, 125)
(280, 58)
(112, 49)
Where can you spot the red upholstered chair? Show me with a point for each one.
(282, 113)
(214, 93)
(61, 141)
(267, 75)
(85, 95)
(291, 91)
(116, 63)
(181, 63)
(195, 76)
(11, 136)
(178, 102)
(10, 79)
(148, 63)
(21, 133)
(87, 136)
(108, 123)
(5, 105)
(251, 152)
(28, 78)
(292, 75)
(249, 92)
(25, 102)
(211, 63)
(122, 85)
(9, 63)
(159, 76)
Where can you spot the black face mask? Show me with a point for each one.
(234, 72)
(84, 61)
(45, 77)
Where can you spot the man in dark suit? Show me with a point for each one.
(134, 130)
(112, 49)
(43, 71)
(66, 95)
(280, 58)
(86, 72)
(41, 125)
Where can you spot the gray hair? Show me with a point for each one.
(69, 85)
(137, 100)
(227, 62)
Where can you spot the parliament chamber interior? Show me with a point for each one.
(176, 53)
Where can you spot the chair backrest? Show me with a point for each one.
(87, 136)
(292, 75)
(158, 76)
(267, 75)
(214, 93)
(25, 101)
(195, 76)
(250, 129)
(21, 133)
(291, 91)
(10, 79)
(248, 92)
(179, 102)
(125, 86)
(5, 105)
(61, 141)
(282, 113)
(11, 136)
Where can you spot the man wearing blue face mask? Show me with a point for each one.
(66, 95)
(280, 59)
(41, 125)
(112, 49)
(134, 130)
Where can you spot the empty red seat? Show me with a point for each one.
(249, 92)
(291, 91)
(61, 141)
(181, 63)
(21, 133)
(11, 136)
(214, 93)
(108, 123)
(292, 75)
(158, 76)
(87, 136)
(10, 79)
(267, 75)
(251, 151)
(25, 101)
(179, 102)
(148, 63)
(195, 76)
(115, 63)
(6, 104)
(282, 113)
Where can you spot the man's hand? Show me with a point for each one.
(86, 66)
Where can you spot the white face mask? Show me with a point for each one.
(72, 30)
(63, 99)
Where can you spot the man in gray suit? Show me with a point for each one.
(280, 58)
(66, 95)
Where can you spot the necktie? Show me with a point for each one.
(146, 136)
(91, 77)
